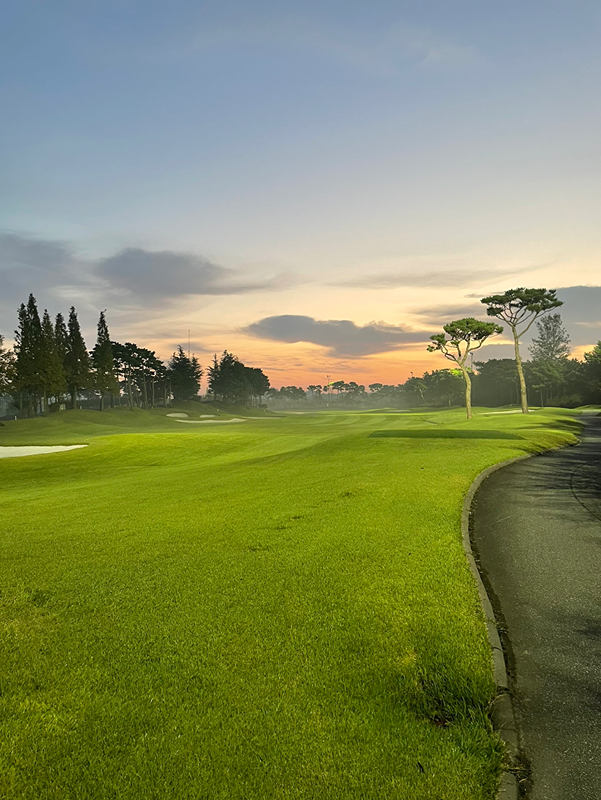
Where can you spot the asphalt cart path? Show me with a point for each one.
(537, 535)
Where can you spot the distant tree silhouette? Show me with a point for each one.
(553, 341)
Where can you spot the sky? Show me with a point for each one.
(317, 187)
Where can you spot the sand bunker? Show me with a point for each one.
(513, 411)
(209, 421)
(178, 415)
(15, 452)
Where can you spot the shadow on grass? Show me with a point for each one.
(429, 433)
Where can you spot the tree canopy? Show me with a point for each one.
(105, 378)
(77, 359)
(460, 338)
(232, 382)
(184, 375)
(520, 308)
(553, 341)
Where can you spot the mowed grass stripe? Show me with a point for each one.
(281, 610)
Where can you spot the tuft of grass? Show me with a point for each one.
(277, 609)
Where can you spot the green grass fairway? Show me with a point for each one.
(277, 608)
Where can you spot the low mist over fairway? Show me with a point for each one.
(275, 609)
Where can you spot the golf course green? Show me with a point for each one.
(274, 608)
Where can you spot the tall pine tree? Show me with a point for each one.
(77, 359)
(52, 370)
(28, 350)
(184, 375)
(105, 379)
(61, 340)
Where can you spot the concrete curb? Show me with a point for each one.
(502, 712)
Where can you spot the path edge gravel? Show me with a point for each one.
(502, 713)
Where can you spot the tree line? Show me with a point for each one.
(50, 366)
(551, 376)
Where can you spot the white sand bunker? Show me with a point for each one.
(512, 411)
(207, 415)
(15, 452)
(210, 421)
(177, 414)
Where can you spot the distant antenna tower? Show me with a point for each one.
(188, 343)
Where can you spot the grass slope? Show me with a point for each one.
(275, 609)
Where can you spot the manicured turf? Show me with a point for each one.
(278, 608)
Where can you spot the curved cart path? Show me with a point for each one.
(537, 533)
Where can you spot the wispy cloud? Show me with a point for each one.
(342, 338)
(439, 315)
(384, 53)
(448, 278)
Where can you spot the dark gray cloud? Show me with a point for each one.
(342, 337)
(449, 278)
(580, 313)
(36, 265)
(168, 274)
(132, 279)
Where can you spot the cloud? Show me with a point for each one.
(441, 314)
(383, 54)
(341, 337)
(132, 279)
(35, 265)
(168, 274)
(579, 313)
(449, 278)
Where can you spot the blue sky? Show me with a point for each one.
(208, 165)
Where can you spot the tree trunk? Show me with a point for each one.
(131, 400)
(468, 392)
(518, 362)
(74, 397)
(101, 400)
